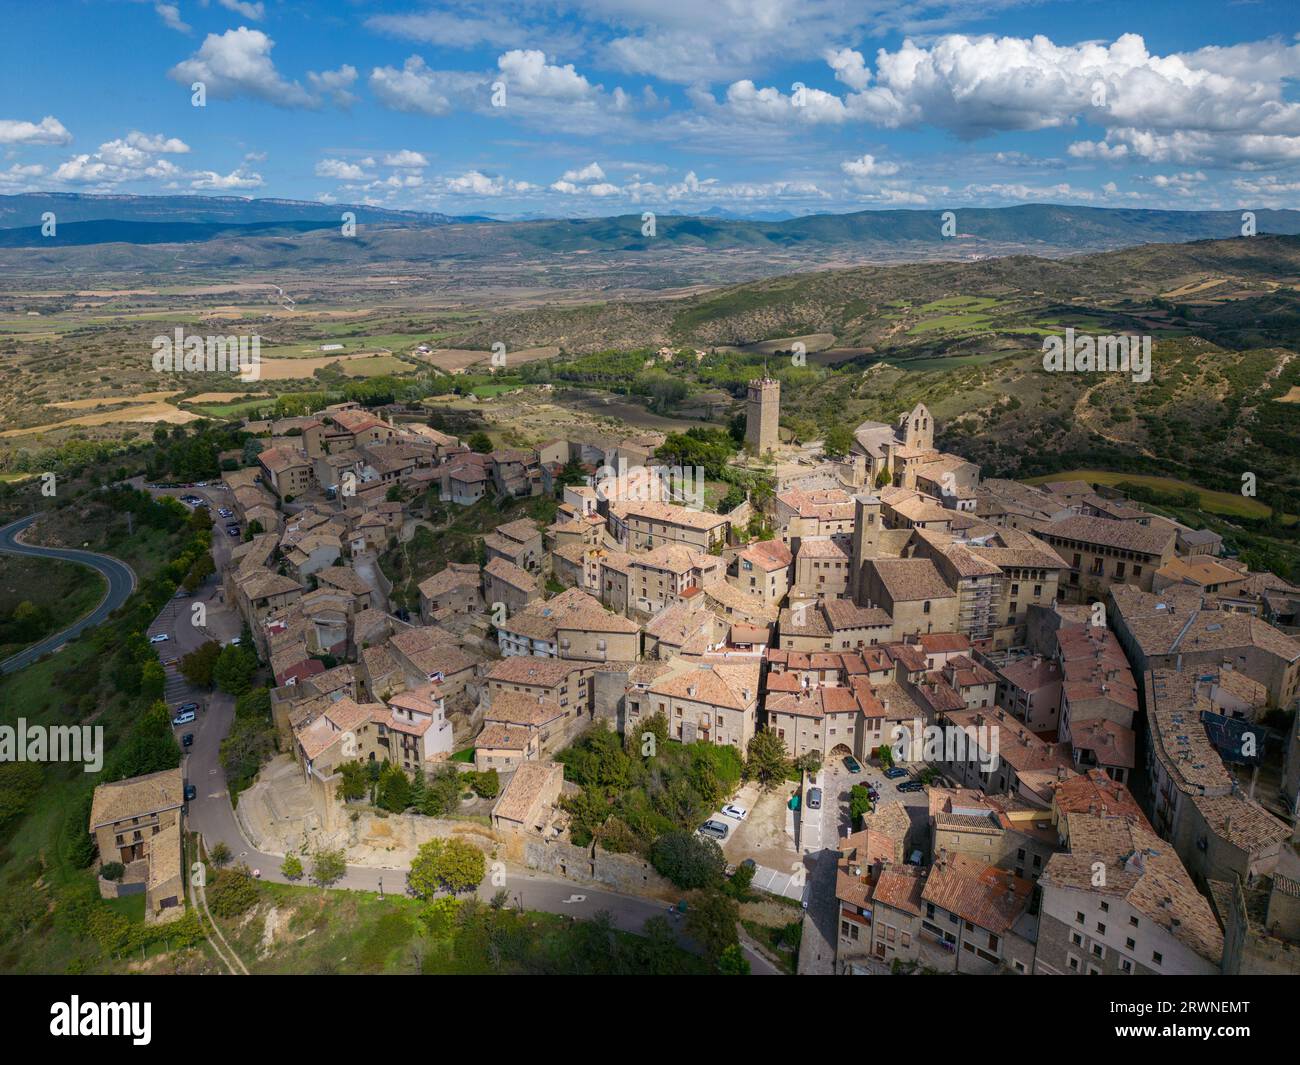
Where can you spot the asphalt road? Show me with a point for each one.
(211, 814)
(119, 577)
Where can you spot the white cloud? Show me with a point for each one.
(171, 16)
(590, 172)
(341, 170)
(476, 183)
(529, 72)
(418, 89)
(405, 159)
(48, 130)
(157, 143)
(256, 11)
(336, 84)
(236, 179)
(238, 63)
(866, 166)
(850, 68)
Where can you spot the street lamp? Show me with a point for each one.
(381, 889)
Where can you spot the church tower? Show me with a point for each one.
(762, 413)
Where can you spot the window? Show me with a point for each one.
(1079, 917)
(1076, 939)
(1101, 928)
(1133, 921)
(1125, 965)
(1157, 957)
(1130, 942)
(1105, 907)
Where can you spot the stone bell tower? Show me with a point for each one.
(762, 413)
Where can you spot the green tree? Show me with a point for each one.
(197, 667)
(291, 867)
(767, 760)
(859, 804)
(711, 919)
(480, 442)
(234, 892)
(732, 961)
(328, 867)
(837, 441)
(688, 860)
(446, 864)
(220, 854)
(234, 670)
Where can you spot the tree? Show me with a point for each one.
(711, 921)
(394, 792)
(233, 893)
(767, 760)
(480, 442)
(197, 667)
(219, 854)
(153, 680)
(234, 669)
(328, 867)
(809, 761)
(837, 441)
(859, 803)
(732, 961)
(446, 864)
(883, 478)
(885, 755)
(291, 867)
(688, 860)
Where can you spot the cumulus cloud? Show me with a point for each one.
(867, 166)
(48, 130)
(341, 170)
(590, 172)
(236, 179)
(406, 159)
(238, 63)
(418, 89)
(476, 183)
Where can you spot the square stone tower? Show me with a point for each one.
(762, 412)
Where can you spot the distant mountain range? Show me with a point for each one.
(271, 233)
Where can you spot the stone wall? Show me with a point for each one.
(619, 872)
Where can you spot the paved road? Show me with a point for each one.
(211, 814)
(118, 576)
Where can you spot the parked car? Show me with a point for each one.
(187, 740)
(851, 764)
(814, 798)
(183, 718)
(226, 512)
(232, 530)
(187, 706)
(910, 786)
(190, 792)
(161, 637)
(715, 830)
(181, 593)
(895, 772)
(738, 812)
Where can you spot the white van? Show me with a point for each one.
(183, 718)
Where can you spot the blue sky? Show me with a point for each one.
(617, 106)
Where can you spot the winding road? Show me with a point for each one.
(118, 576)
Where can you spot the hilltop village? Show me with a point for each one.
(1097, 680)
